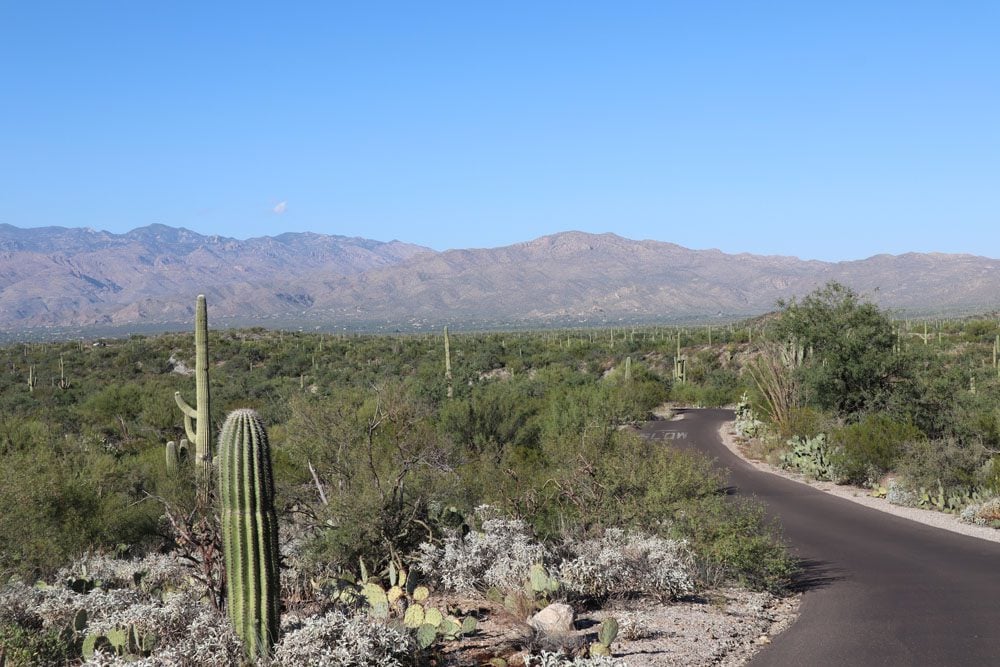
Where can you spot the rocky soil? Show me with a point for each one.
(722, 627)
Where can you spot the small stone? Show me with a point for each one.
(763, 639)
(557, 618)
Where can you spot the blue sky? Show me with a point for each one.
(822, 130)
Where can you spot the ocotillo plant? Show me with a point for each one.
(249, 530)
(196, 421)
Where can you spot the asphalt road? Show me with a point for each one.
(879, 590)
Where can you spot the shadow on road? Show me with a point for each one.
(813, 574)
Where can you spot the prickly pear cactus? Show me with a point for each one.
(810, 456)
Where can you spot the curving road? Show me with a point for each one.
(879, 590)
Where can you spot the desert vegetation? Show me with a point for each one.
(843, 392)
(409, 476)
(420, 487)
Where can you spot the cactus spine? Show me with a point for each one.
(249, 530)
(196, 421)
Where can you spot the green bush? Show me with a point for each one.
(733, 540)
(954, 463)
(864, 452)
(27, 647)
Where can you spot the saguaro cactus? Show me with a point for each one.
(447, 363)
(196, 421)
(249, 530)
(173, 458)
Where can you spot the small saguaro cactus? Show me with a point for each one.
(176, 453)
(172, 457)
(63, 382)
(680, 363)
(249, 530)
(196, 420)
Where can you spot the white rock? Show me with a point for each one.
(557, 618)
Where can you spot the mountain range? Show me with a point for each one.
(148, 277)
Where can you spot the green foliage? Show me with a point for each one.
(948, 462)
(852, 368)
(22, 646)
(733, 539)
(865, 451)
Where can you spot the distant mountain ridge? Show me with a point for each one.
(64, 277)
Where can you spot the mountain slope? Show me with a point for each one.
(59, 276)
(62, 277)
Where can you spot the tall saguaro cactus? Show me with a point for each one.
(196, 420)
(447, 363)
(249, 530)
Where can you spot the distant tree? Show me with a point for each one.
(850, 366)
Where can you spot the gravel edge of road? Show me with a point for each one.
(862, 496)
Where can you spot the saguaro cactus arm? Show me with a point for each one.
(190, 414)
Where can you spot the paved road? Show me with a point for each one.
(879, 590)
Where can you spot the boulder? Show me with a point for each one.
(555, 619)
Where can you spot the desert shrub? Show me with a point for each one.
(60, 501)
(982, 514)
(632, 564)
(732, 540)
(337, 639)
(807, 422)
(382, 462)
(952, 463)
(498, 556)
(26, 646)
(900, 493)
(594, 485)
(865, 451)
(551, 659)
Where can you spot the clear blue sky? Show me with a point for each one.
(831, 130)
